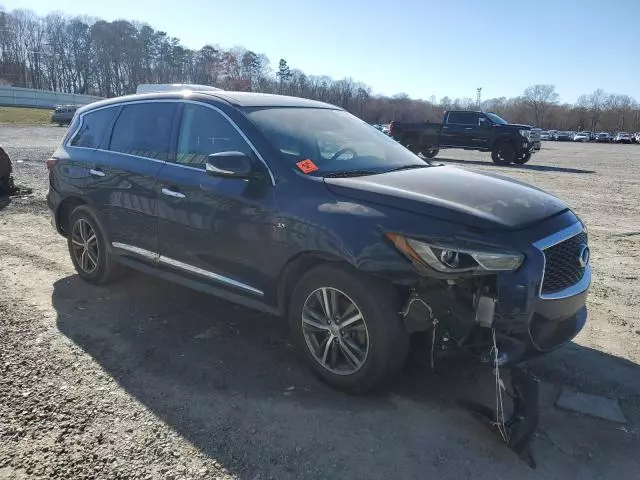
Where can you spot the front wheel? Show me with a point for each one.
(522, 159)
(503, 153)
(348, 326)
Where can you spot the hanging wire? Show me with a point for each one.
(432, 318)
(500, 421)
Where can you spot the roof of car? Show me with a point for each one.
(251, 99)
(239, 99)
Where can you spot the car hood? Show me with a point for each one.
(459, 195)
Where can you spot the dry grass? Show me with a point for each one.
(24, 116)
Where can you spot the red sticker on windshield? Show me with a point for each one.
(307, 166)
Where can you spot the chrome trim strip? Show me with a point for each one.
(205, 273)
(575, 289)
(157, 258)
(174, 100)
(137, 250)
(559, 236)
(172, 193)
(550, 241)
(182, 165)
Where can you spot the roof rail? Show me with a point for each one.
(172, 87)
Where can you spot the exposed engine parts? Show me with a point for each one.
(461, 320)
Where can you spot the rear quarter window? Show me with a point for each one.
(93, 128)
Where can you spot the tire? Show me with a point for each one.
(6, 180)
(503, 153)
(91, 259)
(430, 153)
(523, 159)
(380, 338)
(411, 142)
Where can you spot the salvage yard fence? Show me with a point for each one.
(30, 97)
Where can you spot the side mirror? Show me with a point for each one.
(228, 165)
(483, 122)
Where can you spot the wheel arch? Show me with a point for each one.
(296, 267)
(63, 213)
(503, 139)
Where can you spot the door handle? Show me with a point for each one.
(469, 128)
(96, 172)
(173, 193)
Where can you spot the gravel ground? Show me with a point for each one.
(146, 379)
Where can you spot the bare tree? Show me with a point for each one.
(540, 98)
(593, 103)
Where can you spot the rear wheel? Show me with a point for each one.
(411, 142)
(522, 159)
(430, 152)
(347, 324)
(503, 153)
(88, 248)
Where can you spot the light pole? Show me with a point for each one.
(478, 97)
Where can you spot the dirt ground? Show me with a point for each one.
(146, 379)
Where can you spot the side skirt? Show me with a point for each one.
(200, 286)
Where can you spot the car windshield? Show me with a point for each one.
(334, 141)
(496, 119)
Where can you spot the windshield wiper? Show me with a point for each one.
(350, 173)
(409, 167)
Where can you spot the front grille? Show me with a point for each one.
(562, 267)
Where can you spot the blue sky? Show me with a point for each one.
(419, 47)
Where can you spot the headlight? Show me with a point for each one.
(525, 133)
(452, 259)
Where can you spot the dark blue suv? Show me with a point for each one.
(299, 209)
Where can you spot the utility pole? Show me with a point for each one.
(478, 97)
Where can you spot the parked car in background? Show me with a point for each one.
(468, 130)
(553, 134)
(386, 129)
(229, 193)
(581, 137)
(622, 137)
(564, 136)
(63, 114)
(544, 135)
(535, 138)
(636, 137)
(603, 137)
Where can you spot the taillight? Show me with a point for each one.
(50, 162)
(392, 128)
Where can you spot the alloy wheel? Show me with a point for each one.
(335, 331)
(85, 246)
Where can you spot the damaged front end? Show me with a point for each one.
(501, 308)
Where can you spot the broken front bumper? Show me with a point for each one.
(533, 310)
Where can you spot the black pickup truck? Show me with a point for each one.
(486, 132)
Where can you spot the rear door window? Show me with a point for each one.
(463, 118)
(145, 130)
(94, 127)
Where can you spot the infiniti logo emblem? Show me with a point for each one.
(583, 256)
